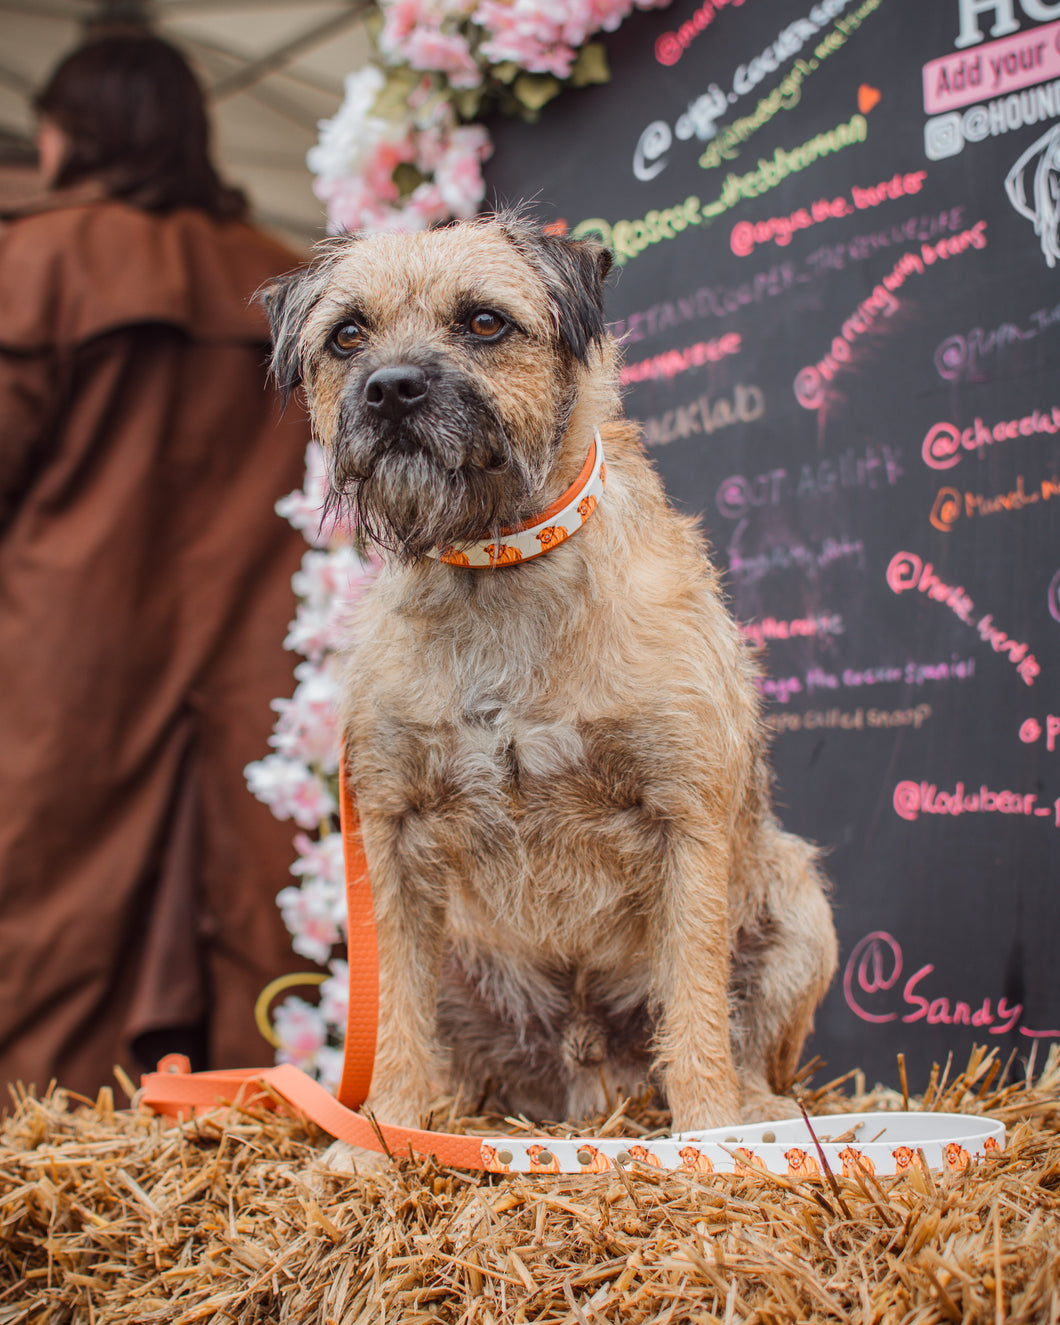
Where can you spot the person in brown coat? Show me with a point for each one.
(145, 589)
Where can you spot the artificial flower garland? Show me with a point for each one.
(404, 151)
(401, 154)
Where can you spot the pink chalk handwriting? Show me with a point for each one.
(944, 443)
(825, 623)
(780, 229)
(995, 69)
(809, 558)
(873, 993)
(817, 678)
(914, 229)
(1053, 597)
(673, 362)
(1025, 662)
(963, 356)
(907, 571)
(670, 46)
(1031, 731)
(810, 381)
(912, 799)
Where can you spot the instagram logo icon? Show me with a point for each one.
(943, 136)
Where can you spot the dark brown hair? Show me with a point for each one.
(135, 120)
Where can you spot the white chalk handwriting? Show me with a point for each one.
(1033, 188)
(945, 135)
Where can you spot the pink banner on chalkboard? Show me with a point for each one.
(993, 70)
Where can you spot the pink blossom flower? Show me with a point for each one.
(328, 1067)
(351, 204)
(308, 724)
(458, 176)
(321, 858)
(402, 18)
(328, 585)
(290, 790)
(304, 508)
(378, 171)
(425, 207)
(311, 914)
(443, 53)
(543, 36)
(538, 35)
(300, 1029)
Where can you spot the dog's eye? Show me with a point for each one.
(486, 325)
(348, 337)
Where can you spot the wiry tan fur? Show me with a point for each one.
(559, 766)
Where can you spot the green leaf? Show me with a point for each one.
(505, 72)
(392, 103)
(467, 102)
(591, 65)
(407, 177)
(535, 90)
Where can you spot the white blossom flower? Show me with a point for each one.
(290, 790)
(353, 133)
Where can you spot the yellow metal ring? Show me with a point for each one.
(277, 986)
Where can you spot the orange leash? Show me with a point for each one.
(175, 1091)
(362, 1015)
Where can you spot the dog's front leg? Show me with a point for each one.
(691, 950)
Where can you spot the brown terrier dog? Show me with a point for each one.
(558, 762)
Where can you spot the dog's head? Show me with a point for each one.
(443, 370)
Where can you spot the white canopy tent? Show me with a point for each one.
(271, 69)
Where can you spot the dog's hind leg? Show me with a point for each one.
(785, 958)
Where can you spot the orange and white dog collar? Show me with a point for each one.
(564, 517)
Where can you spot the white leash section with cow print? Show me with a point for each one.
(874, 1143)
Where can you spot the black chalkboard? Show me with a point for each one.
(837, 230)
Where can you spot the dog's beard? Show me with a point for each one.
(443, 475)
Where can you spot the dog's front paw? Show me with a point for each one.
(765, 1107)
(342, 1158)
(700, 1103)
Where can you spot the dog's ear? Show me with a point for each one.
(574, 271)
(288, 301)
(286, 307)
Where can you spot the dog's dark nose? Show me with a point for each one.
(393, 391)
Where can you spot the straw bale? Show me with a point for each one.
(111, 1215)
